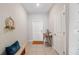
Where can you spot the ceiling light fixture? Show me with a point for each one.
(37, 4)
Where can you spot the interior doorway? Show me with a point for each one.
(37, 32)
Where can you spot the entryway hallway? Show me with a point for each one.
(29, 22)
(48, 19)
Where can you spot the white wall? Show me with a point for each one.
(37, 17)
(19, 15)
(57, 27)
(74, 29)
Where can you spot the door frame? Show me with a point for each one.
(32, 30)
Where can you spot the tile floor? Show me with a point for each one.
(41, 50)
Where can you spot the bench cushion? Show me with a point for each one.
(11, 50)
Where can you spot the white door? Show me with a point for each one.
(60, 32)
(37, 30)
(63, 30)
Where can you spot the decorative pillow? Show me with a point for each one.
(11, 50)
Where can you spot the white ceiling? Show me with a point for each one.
(32, 8)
